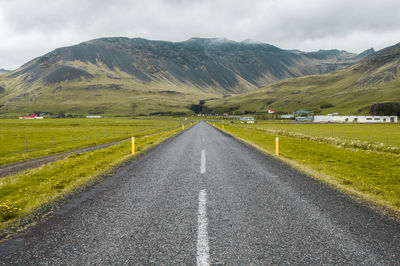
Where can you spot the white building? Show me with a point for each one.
(354, 119)
(287, 116)
(248, 119)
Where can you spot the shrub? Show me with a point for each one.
(326, 105)
(8, 210)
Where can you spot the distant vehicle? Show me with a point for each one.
(248, 119)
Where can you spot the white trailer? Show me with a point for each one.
(354, 119)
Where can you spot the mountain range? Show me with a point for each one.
(2, 71)
(371, 86)
(139, 76)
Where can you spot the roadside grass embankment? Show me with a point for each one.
(377, 137)
(368, 175)
(377, 134)
(22, 140)
(27, 193)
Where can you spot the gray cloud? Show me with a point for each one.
(32, 28)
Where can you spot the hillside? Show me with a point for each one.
(370, 86)
(133, 76)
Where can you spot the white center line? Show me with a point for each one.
(203, 162)
(203, 257)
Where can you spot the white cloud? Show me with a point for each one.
(32, 28)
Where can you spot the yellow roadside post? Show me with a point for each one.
(223, 127)
(183, 127)
(277, 146)
(133, 145)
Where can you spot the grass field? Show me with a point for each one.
(379, 134)
(367, 174)
(26, 139)
(27, 192)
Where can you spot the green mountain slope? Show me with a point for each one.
(371, 85)
(133, 76)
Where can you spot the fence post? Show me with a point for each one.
(26, 144)
(277, 146)
(52, 142)
(133, 145)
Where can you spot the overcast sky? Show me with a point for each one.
(30, 28)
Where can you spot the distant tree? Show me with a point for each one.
(326, 105)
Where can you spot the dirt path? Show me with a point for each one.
(12, 169)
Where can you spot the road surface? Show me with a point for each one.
(205, 198)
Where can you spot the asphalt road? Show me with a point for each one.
(205, 198)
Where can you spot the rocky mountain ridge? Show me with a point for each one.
(132, 71)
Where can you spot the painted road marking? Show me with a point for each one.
(203, 257)
(203, 162)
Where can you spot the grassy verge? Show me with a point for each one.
(387, 136)
(23, 140)
(23, 194)
(371, 176)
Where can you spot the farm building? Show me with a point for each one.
(302, 112)
(304, 118)
(287, 116)
(354, 119)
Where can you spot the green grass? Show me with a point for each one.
(23, 194)
(368, 175)
(379, 134)
(26, 139)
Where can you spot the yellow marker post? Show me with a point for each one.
(183, 127)
(133, 145)
(223, 127)
(277, 146)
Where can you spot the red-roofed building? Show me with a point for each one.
(32, 116)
